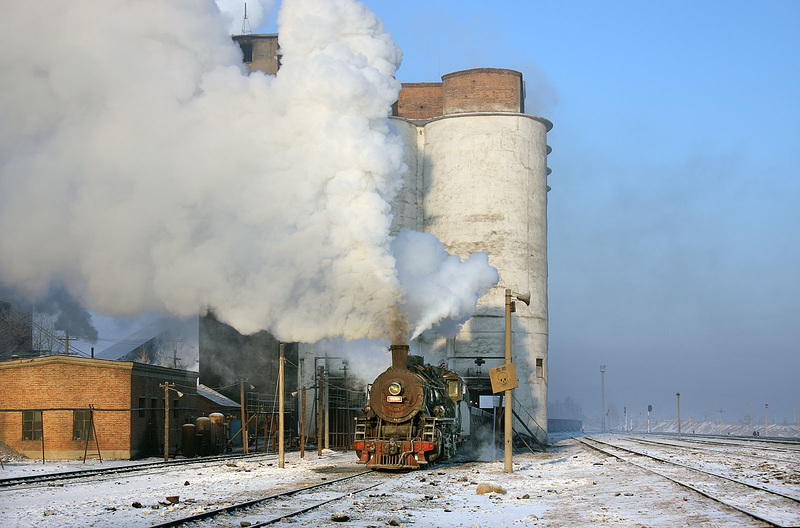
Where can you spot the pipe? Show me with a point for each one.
(399, 356)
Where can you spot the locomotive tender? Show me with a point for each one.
(416, 415)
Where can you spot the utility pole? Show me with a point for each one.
(766, 421)
(326, 392)
(244, 416)
(679, 414)
(603, 394)
(167, 387)
(320, 382)
(281, 404)
(302, 412)
(508, 446)
(175, 358)
(346, 404)
(507, 395)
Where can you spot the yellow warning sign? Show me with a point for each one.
(503, 378)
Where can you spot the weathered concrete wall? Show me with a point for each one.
(484, 188)
(407, 205)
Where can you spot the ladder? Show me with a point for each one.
(361, 429)
(429, 429)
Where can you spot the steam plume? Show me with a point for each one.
(142, 168)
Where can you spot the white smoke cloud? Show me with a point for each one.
(142, 168)
(441, 290)
(234, 11)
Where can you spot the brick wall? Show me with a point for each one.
(68, 383)
(420, 101)
(59, 384)
(147, 426)
(483, 90)
(477, 90)
(264, 49)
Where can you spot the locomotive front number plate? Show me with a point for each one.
(394, 399)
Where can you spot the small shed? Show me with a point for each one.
(210, 401)
(61, 407)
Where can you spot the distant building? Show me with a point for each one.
(260, 52)
(16, 332)
(168, 341)
(211, 401)
(57, 403)
(233, 361)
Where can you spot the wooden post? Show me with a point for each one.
(281, 403)
(244, 421)
(42, 436)
(507, 396)
(92, 434)
(303, 413)
(326, 395)
(320, 390)
(86, 449)
(166, 386)
(266, 433)
(258, 415)
(346, 415)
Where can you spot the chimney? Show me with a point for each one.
(399, 356)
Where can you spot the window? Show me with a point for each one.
(153, 404)
(175, 409)
(141, 406)
(247, 51)
(452, 389)
(81, 425)
(31, 425)
(539, 368)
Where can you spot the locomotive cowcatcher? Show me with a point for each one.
(413, 416)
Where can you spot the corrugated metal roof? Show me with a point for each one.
(214, 396)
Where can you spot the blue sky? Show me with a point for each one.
(674, 231)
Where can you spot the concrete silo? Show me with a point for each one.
(478, 181)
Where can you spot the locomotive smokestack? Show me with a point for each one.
(399, 356)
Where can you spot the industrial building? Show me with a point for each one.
(63, 407)
(477, 179)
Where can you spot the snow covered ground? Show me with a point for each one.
(569, 486)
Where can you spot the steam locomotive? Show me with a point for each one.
(416, 414)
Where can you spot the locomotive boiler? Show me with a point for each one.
(416, 414)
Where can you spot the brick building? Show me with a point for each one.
(49, 403)
(463, 92)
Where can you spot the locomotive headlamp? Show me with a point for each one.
(395, 389)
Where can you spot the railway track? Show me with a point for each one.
(766, 505)
(727, 439)
(284, 505)
(707, 446)
(113, 471)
